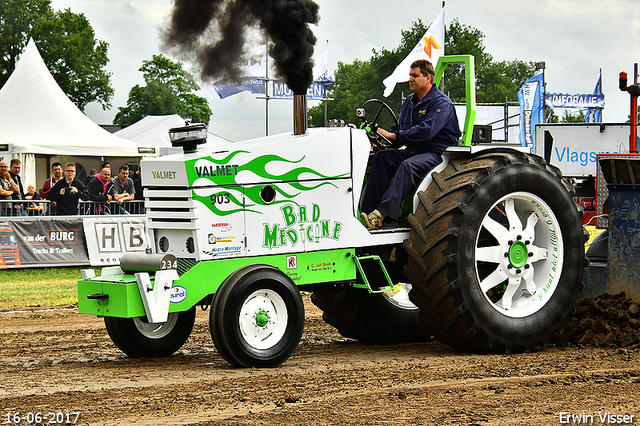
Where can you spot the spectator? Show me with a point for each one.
(7, 188)
(123, 187)
(56, 171)
(101, 190)
(137, 184)
(14, 170)
(32, 195)
(92, 173)
(66, 192)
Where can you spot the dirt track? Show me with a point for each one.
(64, 362)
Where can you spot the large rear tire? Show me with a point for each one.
(377, 318)
(496, 252)
(138, 338)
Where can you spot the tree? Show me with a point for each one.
(16, 19)
(74, 57)
(67, 44)
(355, 83)
(568, 117)
(169, 90)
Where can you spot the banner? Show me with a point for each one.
(252, 73)
(566, 100)
(321, 69)
(318, 89)
(226, 88)
(281, 91)
(594, 115)
(531, 110)
(109, 237)
(42, 243)
(430, 47)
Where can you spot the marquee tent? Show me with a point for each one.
(36, 117)
(153, 131)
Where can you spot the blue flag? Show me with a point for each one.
(252, 70)
(530, 97)
(225, 88)
(594, 115)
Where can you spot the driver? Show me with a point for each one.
(428, 124)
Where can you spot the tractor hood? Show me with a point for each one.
(320, 154)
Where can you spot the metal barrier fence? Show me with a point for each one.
(10, 208)
(17, 208)
(93, 208)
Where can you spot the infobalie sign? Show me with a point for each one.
(566, 100)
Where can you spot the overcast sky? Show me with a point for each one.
(576, 38)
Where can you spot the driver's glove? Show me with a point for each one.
(369, 128)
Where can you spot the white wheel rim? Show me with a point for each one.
(519, 274)
(158, 330)
(263, 319)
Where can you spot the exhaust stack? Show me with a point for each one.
(300, 114)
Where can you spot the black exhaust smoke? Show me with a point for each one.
(217, 29)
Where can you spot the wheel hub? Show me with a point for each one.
(262, 319)
(518, 254)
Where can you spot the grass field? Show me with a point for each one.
(39, 287)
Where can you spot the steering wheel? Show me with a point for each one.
(375, 138)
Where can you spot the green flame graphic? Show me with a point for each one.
(225, 171)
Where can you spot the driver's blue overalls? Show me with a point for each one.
(426, 129)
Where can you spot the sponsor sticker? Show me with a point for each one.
(178, 294)
(292, 262)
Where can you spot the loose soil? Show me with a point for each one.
(60, 361)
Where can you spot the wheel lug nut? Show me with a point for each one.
(518, 271)
(519, 237)
(527, 266)
(530, 254)
(506, 254)
(527, 242)
(509, 266)
(510, 242)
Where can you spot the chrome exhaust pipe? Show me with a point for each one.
(300, 114)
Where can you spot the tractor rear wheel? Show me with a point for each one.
(496, 252)
(378, 318)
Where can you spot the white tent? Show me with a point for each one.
(36, 117)
(153, 131)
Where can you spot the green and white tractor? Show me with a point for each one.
(491, 260)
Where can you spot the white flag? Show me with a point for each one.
(430, 47)
(321, 67)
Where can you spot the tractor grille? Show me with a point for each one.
(185, 264)
(170, 209)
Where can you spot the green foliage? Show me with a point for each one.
(67, 44)
(169, 90)
(75, 58)
(355, 83)
(569, 117)
(16, 19)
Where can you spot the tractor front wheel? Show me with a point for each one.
(257, 317)
(137, 337)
